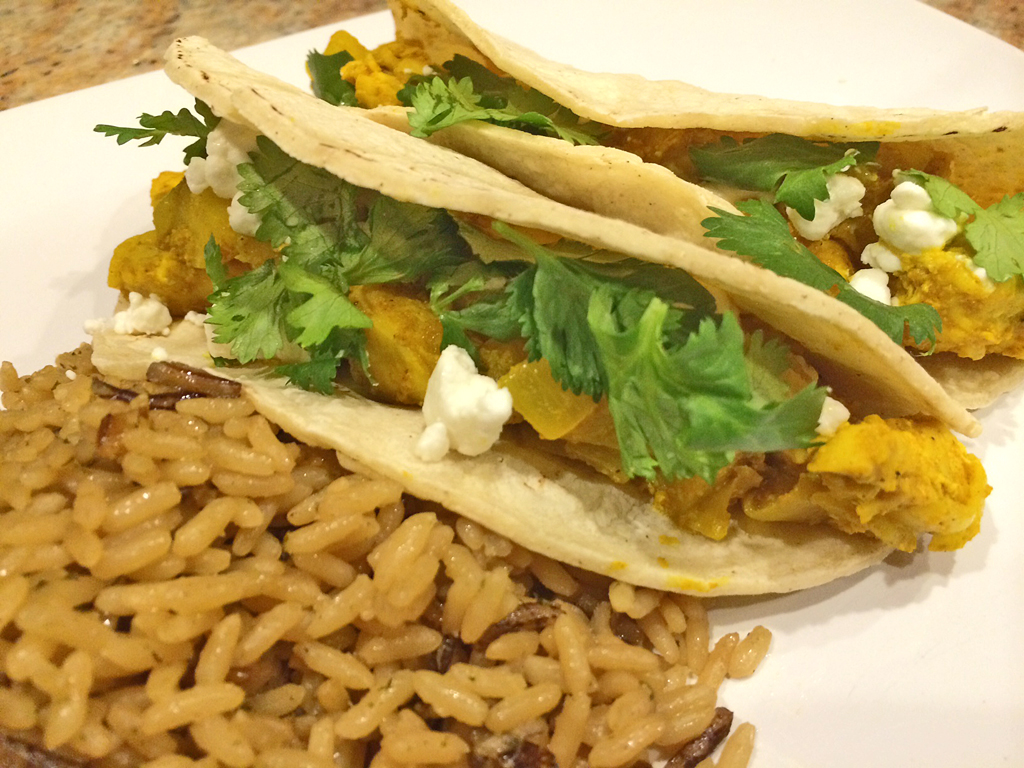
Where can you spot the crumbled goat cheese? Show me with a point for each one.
(873, 283)
(196, 318)
(159, 354)
(909, 222)
(833, 415)
(143, 316)
(227, 147)
(470, 408)
(844, 196)
(433, 444)
(241, 220)
(878, 256)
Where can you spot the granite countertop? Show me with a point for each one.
(63, 45)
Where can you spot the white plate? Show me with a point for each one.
(916, 663)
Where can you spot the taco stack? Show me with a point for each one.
(748, 173)
(692, 422)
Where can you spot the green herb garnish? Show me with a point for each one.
(181, 123)
(469, 91)
(996, 233)
(763, 235)
(326, 80)
(795, 169)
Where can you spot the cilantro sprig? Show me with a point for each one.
(327, 245)
(762, 234)
(996, 233)
(326, 80)
(684, 392)
(153, 129)
(683, 404)
(469, 91)
(795, 169)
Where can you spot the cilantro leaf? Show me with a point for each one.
(682, 403)
(561, 295)
(493, 313)
(305, 211)
(472, 92)
(326, 308)
(406, 241)
(316, 375)
(796, 169)
(767, 361)
(215, 263)
(996, 233)
(326, 80)
(247, 312)
(153, 129)
(763, 235)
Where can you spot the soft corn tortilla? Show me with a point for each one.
(523, 494)
(518, 491)
(866, 363)
(986, 148)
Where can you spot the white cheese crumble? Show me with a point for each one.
(159, 354)
(196, 318)
(909, 222)
(142, 316)
(844, 196)
(833, 415)
(463, 409)
(873, 283)
(227, 147)
(877, 255)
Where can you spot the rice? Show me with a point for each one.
(189, 586)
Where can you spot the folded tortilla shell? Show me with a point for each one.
(538, 501)
(865, 364)
(986, 149)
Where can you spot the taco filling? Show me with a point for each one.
(626, 366)
(912, 235)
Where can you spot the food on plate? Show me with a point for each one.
(687, 446)
(184, 583)
(913, 217)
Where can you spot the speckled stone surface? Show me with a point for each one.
(55, 46)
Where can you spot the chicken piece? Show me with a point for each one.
(403, 345)
(140, 264)
(979, 316)
(498, 357)
(696, 506)
(168, 261)
(380, 74)
(162, 184)
(893, 478)
(831, 253)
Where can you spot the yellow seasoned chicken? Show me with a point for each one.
(895, 479)
(979, 316)
(168, 260)
(378, 75)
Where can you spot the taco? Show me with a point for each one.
(679, 418)
(914, 217)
